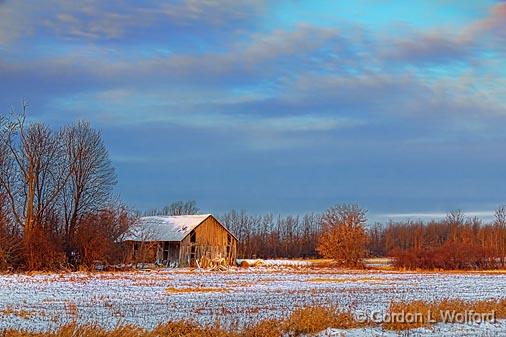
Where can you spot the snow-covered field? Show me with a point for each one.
(240, 295)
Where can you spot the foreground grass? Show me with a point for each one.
(302, 322)
(425, 314)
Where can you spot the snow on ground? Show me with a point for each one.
(240, 295)
(447, 330)
(268, 263)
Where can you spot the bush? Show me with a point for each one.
(10, 249)
(11, 253)
(451, 255)
(97, 238)
(46, 251)
(344, 237)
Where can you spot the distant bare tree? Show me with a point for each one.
(181, 208)
(500, 217)
(343, 237)
(454, 219)
(499, 229)
(376, 242)
(92, 176)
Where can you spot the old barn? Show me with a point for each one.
(185, 240)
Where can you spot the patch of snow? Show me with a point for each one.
(270, 263)
(443, 329)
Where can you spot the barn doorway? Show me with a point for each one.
(170, 253)
(165, 255)
(193, 249)
(229, 246)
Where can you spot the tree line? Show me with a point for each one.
(455, 242)
(57, 209)
(269, 236)
(340, 233)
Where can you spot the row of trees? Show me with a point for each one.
(340, 233)
(56, 197)
(180, 207)
(455, 242)
(269, 236)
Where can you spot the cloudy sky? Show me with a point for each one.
(283, 106)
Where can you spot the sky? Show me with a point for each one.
(284, 106)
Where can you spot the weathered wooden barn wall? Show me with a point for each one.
(208, 244)
(209, 241)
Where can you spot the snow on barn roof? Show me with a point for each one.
(164, 228)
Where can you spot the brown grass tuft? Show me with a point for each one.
(315, 319)
(174, 290)
(25, 314)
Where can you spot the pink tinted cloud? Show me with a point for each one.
(494, 24)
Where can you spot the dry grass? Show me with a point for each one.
(174, 290)
(17, 312)
(311, 320)
(346, 280)
(302, 322)
(425, 314)
(71, 309)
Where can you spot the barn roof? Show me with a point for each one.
(164, 228)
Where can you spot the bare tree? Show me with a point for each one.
(500, 217)
(50, 181)
(32, 174)
(343, 237)
(92, 176)
(181, 208)
(499, 229)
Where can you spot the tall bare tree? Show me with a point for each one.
(91, 179)
(32, 175)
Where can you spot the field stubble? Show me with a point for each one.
(240, 299)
